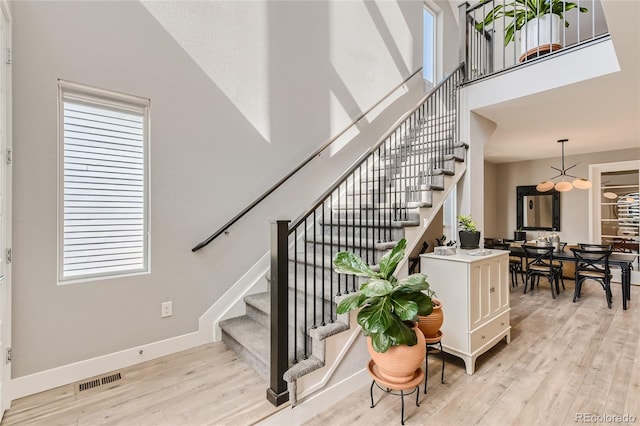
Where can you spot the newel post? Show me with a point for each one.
(277, 393)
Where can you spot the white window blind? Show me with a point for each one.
(449, 216)
(104, 183)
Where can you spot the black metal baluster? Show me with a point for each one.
(339, 237)
(381, 196)
(439, 124)
(398, 173)
(353, 224)
(306, 275)
(360, 215)
(322, 281)
(315, 274)
(332, 244)
(402, 163)
(295, 294)
(371, 217)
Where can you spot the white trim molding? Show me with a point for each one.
(208, 331)
(66, 374)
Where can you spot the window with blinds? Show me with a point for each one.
(449, 222)
(104, 185)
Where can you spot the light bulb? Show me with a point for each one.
(582, 183)
(564, 186)
(544, 186)
(610, 195)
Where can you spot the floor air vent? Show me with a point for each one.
(99, 381)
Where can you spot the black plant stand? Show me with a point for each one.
(434, 346)
(413, 386)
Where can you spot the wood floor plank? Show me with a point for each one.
(564, 358)
(560, 353)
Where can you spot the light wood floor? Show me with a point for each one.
(564, 359)
(207, 385)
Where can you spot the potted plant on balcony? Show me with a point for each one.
(469, 234)
(538, 21)
(389, 311)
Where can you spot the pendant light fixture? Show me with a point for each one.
(563, 185)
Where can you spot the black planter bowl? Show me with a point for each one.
(469, 240)
(519, 235)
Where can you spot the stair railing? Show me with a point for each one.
(224, 228)
(497, 46)
(360, 212)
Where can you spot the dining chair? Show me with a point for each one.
(515, 263)
(593, 264)
(558, 263)
(585, 246)
(539, 263)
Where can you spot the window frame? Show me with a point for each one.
(450, 203)
(115, 101)
(434, 18)
(438, 47)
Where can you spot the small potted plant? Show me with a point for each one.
(469, 234)
(539, 21)
(389, 309)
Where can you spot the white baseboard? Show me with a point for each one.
(320, 402)
(70, 373)
(227, 306)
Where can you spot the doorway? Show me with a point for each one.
(615, 209)
(5, 206)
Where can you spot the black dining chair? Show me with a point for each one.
(539, 263)
(515, 263)
(585, 246)
(593, 265)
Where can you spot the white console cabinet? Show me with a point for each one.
(474, 291)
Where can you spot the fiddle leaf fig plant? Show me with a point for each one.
(387, 304)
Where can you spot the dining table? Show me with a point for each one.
(621, 260)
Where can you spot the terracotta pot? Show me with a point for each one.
(399, 363)
(430, 324)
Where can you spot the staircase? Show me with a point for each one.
(390, 191)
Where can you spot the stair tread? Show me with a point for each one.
(251, 334)
(364, 243)
(366, 223)
(260, 301)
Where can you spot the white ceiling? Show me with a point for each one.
(600, 114)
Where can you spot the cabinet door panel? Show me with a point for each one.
(499, 287)
(477, 303)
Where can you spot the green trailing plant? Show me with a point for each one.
(467, 224)
(523, 11)
(387, 303)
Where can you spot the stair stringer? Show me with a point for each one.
(330, 352)
(231, 303)
(415, 235)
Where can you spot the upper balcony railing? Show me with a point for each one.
(502, 34)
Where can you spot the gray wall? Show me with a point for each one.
(500, 219)
(212, 150)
